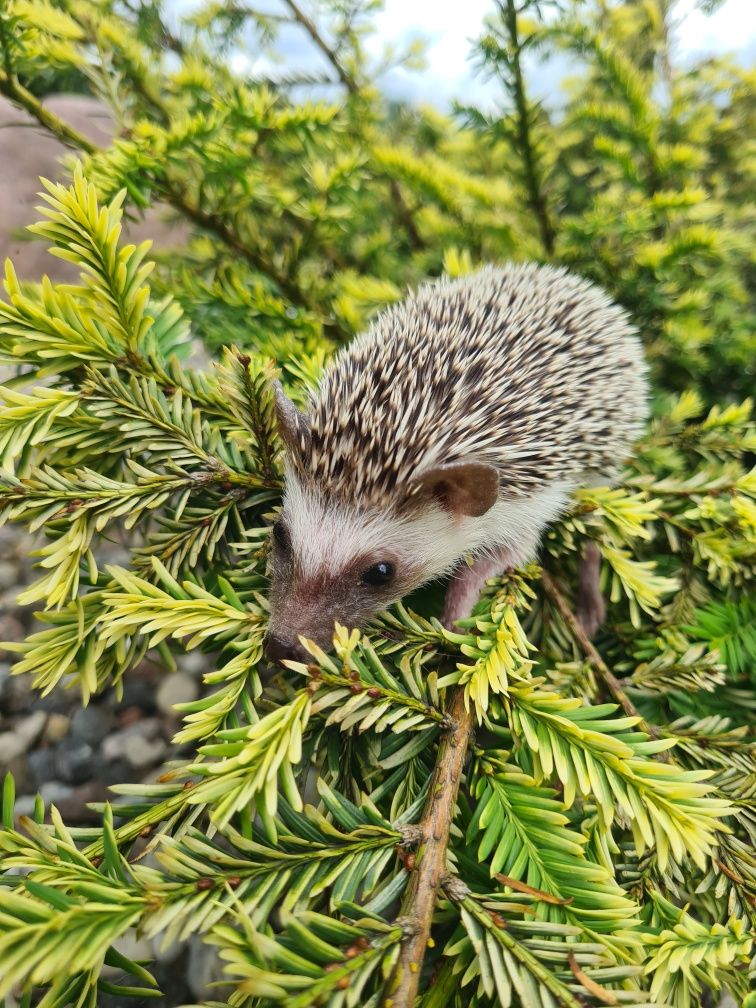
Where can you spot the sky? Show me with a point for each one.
(449, 26)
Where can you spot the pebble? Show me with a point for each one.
(11, 747)
(114, 746)
(75, 760)
(73, 808)
(142, 752)
(16, 694)
(54, 791)
(8, 575)
(56, 728)
(91, 724)
(112, 772)
(43, 765)
(57, 701)
(11, 629)
(128, 716)
(30, 727)
(138, 693)
(19, 768)
(194, 663)
(203, 969)
(25, 732)
(174, 689)
(25, 805)
(168, 953)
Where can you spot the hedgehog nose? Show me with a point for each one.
(277, 649)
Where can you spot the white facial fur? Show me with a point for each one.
(327, 536)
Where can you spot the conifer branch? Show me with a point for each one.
(404, 214)
(589, 649)
(523, 127)
(172, 193)
(312, 30)
(15, 91)
(430, 871)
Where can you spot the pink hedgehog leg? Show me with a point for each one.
(468, 582)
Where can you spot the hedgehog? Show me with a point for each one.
(443, 441)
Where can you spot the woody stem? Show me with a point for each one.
(430, 866)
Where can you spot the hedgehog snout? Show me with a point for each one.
(278, 649)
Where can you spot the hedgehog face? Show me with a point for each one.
(333, 562)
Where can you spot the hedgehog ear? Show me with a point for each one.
(464, 488)
(292, 423)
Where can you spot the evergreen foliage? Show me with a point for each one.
(602, 847)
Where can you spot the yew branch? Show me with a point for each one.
(430, 866)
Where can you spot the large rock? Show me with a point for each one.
(27, 151)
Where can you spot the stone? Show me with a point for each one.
(174, 689)
(20, 738)
(75, 760)
(128, 716)
(11, 747)
(114, 746)
(138, 693)
(9, 575)
(28, 151)
(194, 663)
(25, 805)
(166, 953)
(43, 764)
(142, 752)
(11, 629)
(73, 808)
(171, 978)
(91, 724)
(5, 682)
(56, 728)
(19, 768)
(107, 772)
(30, 727)
(16, 694)
(54, 791)
(57, 701)
(204, 968)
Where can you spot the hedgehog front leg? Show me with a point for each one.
(468, 582)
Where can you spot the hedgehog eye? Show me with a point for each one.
(379, 575)
(281, 536)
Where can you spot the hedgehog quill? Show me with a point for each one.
(455, 427)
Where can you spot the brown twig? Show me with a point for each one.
(11, 87)
(612, 682)
(525, 146)
(312, 30)
(172, 193)
(430, 865)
